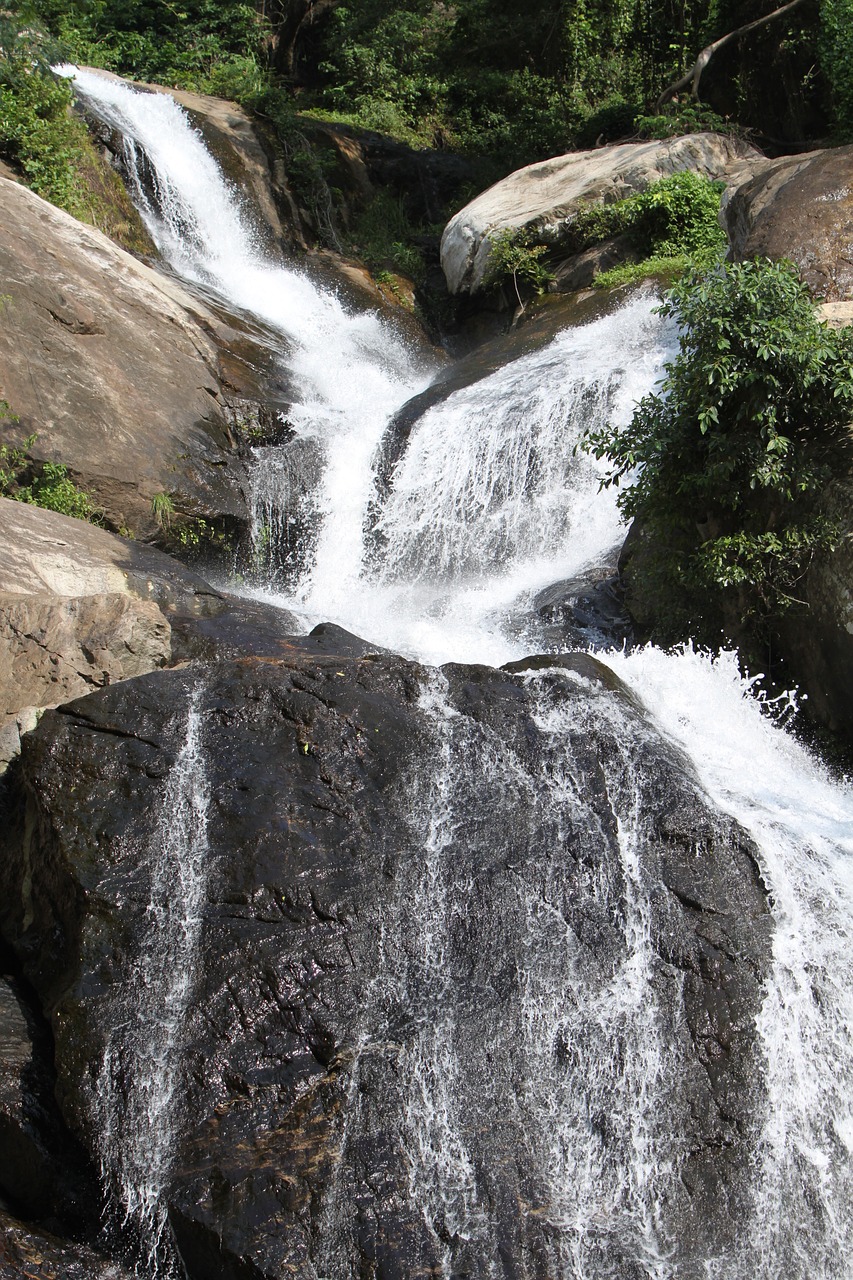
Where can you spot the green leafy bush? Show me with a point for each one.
(37, 134)
(154, 39)
(729, 458)
(53, 489)
(674, 215)
(513, 258)
(678, 215)
(45, 485)
(680, 118)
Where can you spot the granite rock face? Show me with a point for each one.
(364, 928)
(81, 608)
(120, 373)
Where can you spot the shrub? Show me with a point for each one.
(513, 258)
(48, 484)
(729, 458)
(678, 215)
(53, 489)
(674, 216)
(682, 118)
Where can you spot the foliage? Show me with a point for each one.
(382, 235)
(680, 118)
(54, 489)
(50, 146)
(729, 457)
(37, 135)
(162, 509)
(513, 257)
(48, 483)
(660, 267)
(486, 78)
(836, 55)
(678, 214)
(154, 39)
(672, 216)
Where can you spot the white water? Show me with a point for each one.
(137, 1090)
(487, 505)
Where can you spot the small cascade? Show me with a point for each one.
(802, 822)
(352, 368)
(137, 1091)
(607, 1125)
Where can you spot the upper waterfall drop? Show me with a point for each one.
(353, 369)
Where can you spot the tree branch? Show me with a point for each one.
(692, 77)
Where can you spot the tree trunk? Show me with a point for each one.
(691, 78)
(288, 19)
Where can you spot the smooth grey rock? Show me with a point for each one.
(799, 207)
(542, 198)
(122, 374)
(81, 608)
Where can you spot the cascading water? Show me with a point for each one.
(137, 1089)
(488, 503)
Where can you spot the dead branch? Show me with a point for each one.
(692, 77)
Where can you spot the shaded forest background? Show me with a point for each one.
(510, 82)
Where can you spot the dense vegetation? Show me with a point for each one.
(487, 77)
(729, 459)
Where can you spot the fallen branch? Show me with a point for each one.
(692, 77)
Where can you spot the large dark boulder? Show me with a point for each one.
(798, 207)
(357, 969)
(26, 1251)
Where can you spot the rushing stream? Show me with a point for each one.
(486, 504)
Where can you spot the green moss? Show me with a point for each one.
(666, 268)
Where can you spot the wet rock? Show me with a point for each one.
(42, 1172)
(586, 612)
(26, 1251)
(542, 198)
(401, 1028)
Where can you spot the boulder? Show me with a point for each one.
(334, 950)
(81, 608)
(541, 199)
(798, 207)
(120, 373)
(26, 1251)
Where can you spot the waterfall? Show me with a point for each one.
(487, 504)
(136, 1093)
(802, 822)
